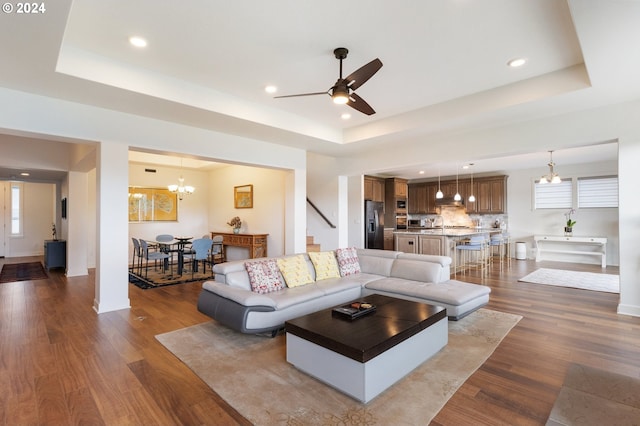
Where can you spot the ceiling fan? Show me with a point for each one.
(342, 92)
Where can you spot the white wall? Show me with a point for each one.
(193, 210)
(267, 215)
(322, 190)
(39, 200)
(525, 222)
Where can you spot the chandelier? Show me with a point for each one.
(552, 177)
(181, 189)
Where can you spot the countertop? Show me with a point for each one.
(449, 232)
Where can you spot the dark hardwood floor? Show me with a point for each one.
(61, 363)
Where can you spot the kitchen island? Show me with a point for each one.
(436, 241)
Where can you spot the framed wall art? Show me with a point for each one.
(243, 196)
(152, 205)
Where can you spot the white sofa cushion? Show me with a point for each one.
(416, 271)
(452, 292)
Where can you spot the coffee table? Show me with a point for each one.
(365, 356)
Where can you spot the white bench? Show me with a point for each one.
(590, 246)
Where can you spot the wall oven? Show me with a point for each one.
(401, 204)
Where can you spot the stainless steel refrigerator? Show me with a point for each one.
(374, 225)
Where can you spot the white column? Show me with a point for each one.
(356, 211)
(343, 211)
(629, 212)
(112, 257)
(77, 211)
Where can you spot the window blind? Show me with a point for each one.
(598, 192)
(554, 195)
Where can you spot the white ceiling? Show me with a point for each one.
(207, 63)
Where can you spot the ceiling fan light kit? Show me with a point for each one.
(343, 91)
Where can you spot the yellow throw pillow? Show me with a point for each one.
(295, 271)
(325, 265)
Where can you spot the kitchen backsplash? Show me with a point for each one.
(457, 216)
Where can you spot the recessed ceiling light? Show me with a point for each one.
(138, 41)
(345, 116)
(421, 172)
(24, 174)
(271, 89)
(517, 62)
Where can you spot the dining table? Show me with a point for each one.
(177, 245)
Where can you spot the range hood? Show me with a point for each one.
(449, 201)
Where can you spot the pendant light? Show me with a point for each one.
(181, 189)
(472, 198)
(552, 177)
(439, 194)
(457, 197)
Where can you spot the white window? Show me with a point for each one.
(598, 192)
(16, 209)
(554, 195)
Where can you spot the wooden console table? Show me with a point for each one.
(256, 243)
(593, 246)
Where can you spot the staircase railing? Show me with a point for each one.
(320, 213)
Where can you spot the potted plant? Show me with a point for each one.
(235, 223)
(568, 229)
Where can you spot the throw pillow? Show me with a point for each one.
(295, 271)
(325, 265)
(264, 276)
(348, 261)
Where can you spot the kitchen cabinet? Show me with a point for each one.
(431, 190)
(374, 189)
(431, 244)
(406, 243)
(388, 238)
(466, 189)
(422, 198)
(417, 198)
(492, 195)
(401, 188)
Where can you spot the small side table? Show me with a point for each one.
(55, 254)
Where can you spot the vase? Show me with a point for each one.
(568, 231)
(236, 230)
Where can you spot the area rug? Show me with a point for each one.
(251, 373)
(28, 271)
(156, 279)
(584, 280)
(590, 396)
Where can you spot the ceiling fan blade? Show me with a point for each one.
(302, 94)
(364, 73)
(356, 102)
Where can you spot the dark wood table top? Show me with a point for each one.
(364, 338)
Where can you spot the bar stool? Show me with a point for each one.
(473, 254)
(499, 249)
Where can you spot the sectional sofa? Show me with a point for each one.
(237, 300)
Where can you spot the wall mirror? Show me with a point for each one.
(243, 196)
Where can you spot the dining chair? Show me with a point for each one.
(137, 253)
(152, 255)
(217, 249)
(165, 238)
(201, 248)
